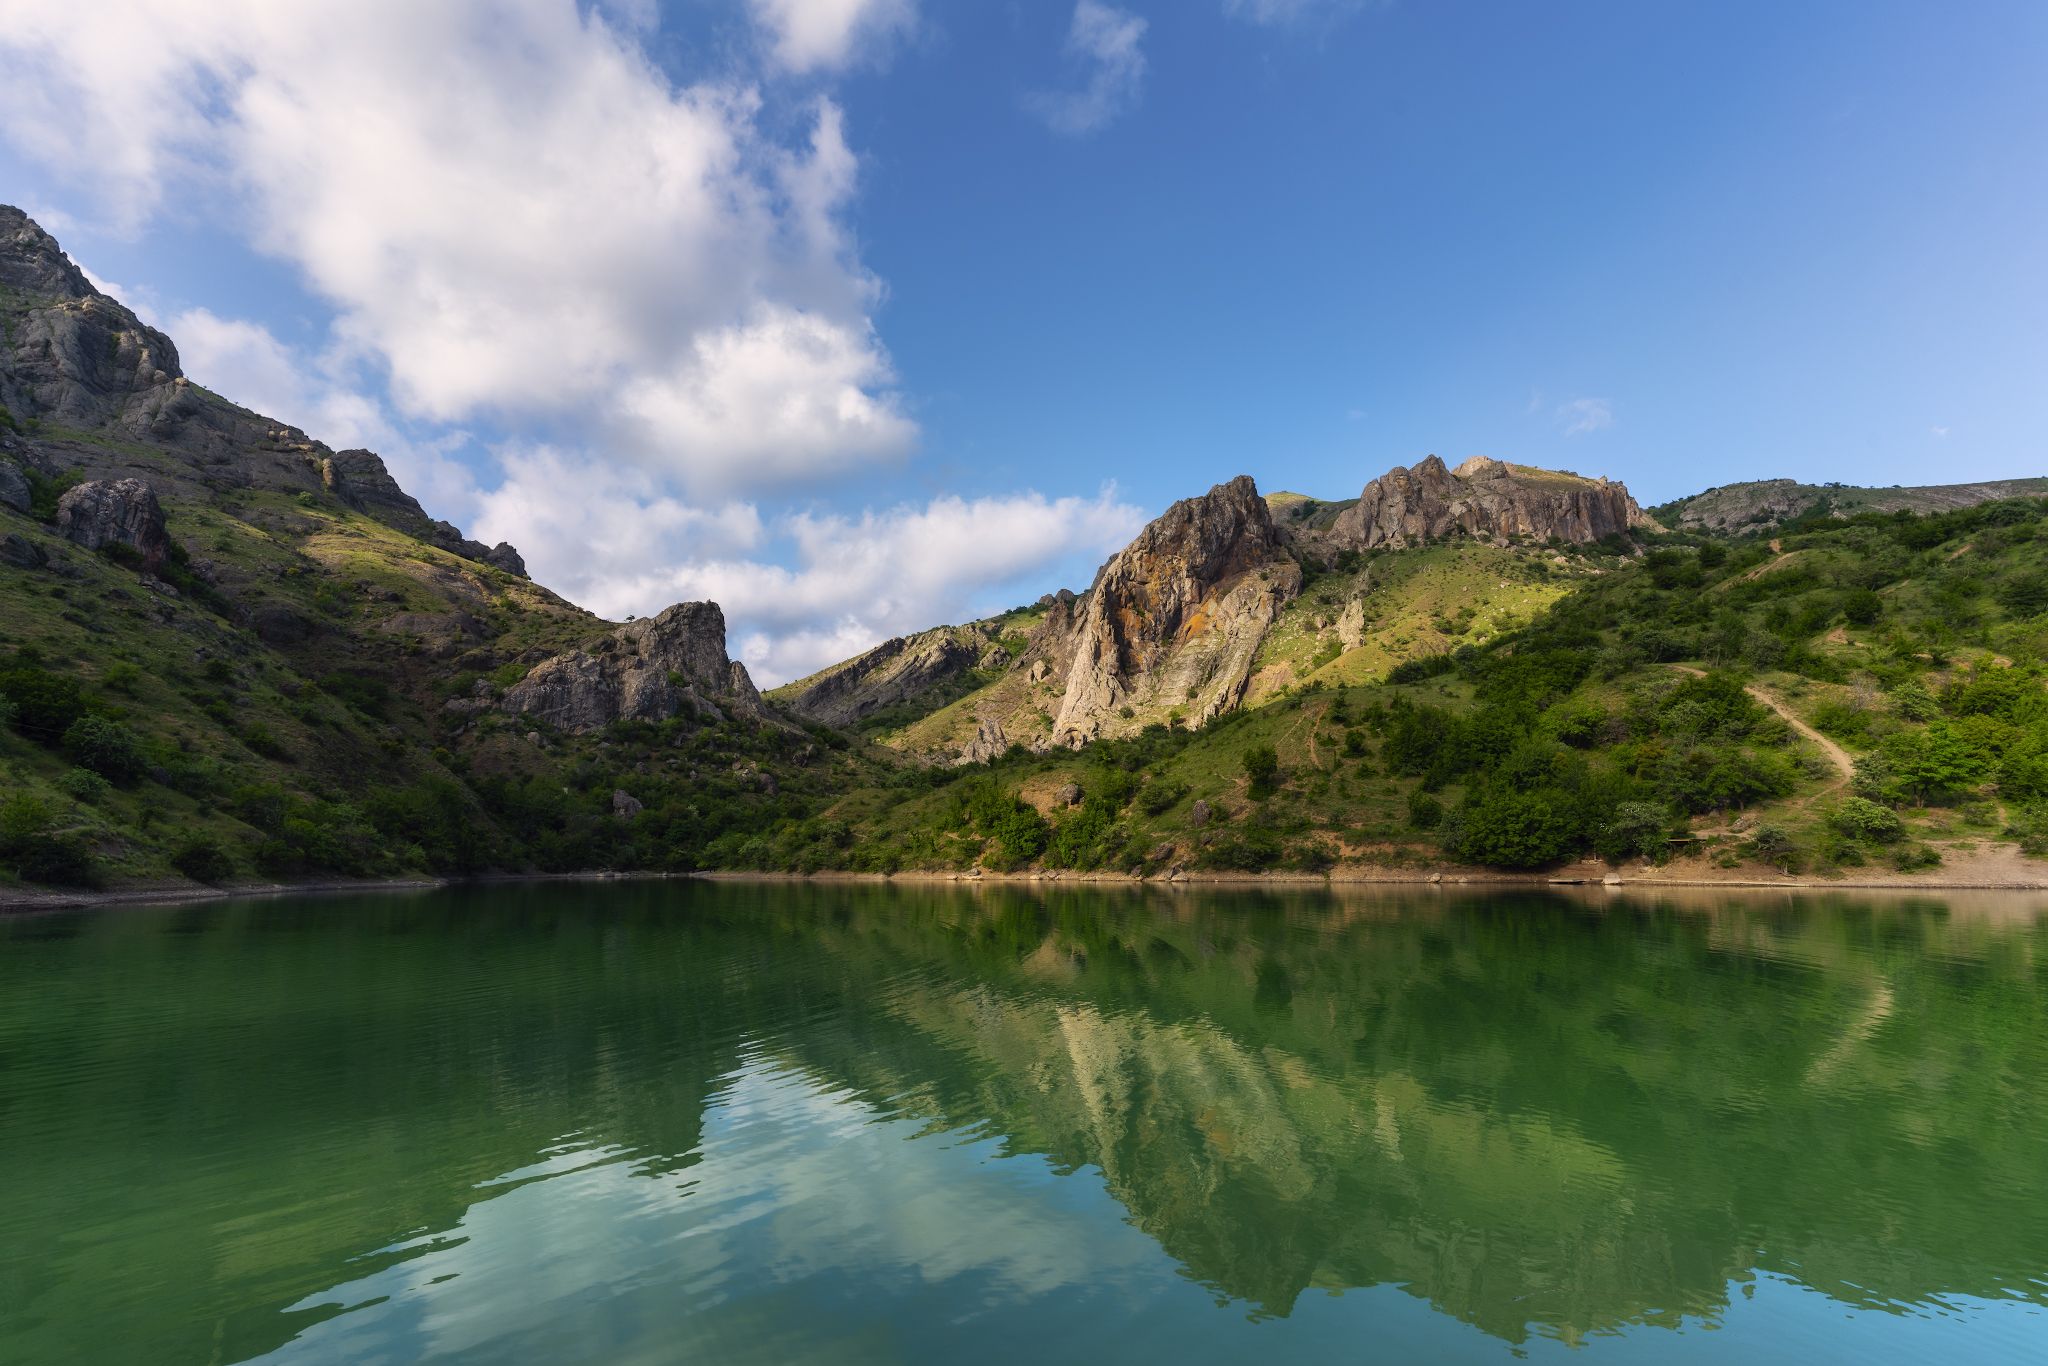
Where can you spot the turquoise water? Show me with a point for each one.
(681, 1122)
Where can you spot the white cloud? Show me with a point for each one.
(510, 207)
(1279, 13)
(1939, 433)
(1103, 41)
(801, 591)
(817, 35)
(248, 364)
(1584, 415)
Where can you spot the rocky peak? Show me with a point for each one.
(666, 665)
(1173, 619)
(1486, 498)
(32, 262)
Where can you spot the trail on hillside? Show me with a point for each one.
(1844, 764)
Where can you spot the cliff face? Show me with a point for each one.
(1174, 619)
(661, 666)
(895, 672)
(1483, 498)
(77, 359)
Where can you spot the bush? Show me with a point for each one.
(1424, 811)
(1911, 858)
(106, 747)
(1505, 828)
(45, 704)
(83, 785)
(203, 859)
(1862, 607)
(1251, 850)
(1262, 767)
(38, 852)
(1861, 819)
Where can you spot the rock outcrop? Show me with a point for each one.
(116, 512)
(1765, 503)
(360, 479)
(1483, 498)
(1174, 619)
(666, 665)
(895, 672)
(14, 490)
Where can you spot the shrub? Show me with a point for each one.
(45, 704)
(1424, 811)
(1862, 607)
(40, 853)
(83, 785)
(203, 859)
(106, 747)
(1251, 850)
(1634, 827)
(1262, 767)
(121, 677)
(1911, 858)
(1507, 828)
(1861, 819)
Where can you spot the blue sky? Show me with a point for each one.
(858, 315)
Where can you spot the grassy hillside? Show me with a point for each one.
(277, 706)
(1869, 694)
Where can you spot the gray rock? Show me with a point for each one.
(14, 492)
(989, 743)
(625, 805)
(894, 672)
(646, 670)
(21, 552)
(1068, 795)
(1175, 618)
(108, 512)
(1483, 498)
(1199, 813)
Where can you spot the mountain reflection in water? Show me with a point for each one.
(792, 1121)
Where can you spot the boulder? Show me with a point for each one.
(625, 805)
(990, 742)
(1199, 813)
(22, 553)
(14, 491)
(1068, 795)
(116, 512)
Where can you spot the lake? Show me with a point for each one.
(654, 1122)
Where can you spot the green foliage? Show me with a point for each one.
(1862, 819)
(1862, 607)
(1504, 828)
(105, 747)
(203, 859)
(38, 851)
(45, 491)
(1424, 811)
(84, 785)
(45, 704)
(1262, 767)
(1252, 849)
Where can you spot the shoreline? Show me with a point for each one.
(24, 901)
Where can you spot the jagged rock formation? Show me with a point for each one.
(360, 479)
(646, 670)
(894, 672)
(1173, 621)
(1484, 498)
(14, 491)
(1764, 503)
(75, 358)
(116, 512)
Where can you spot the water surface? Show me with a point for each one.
(677, 1122)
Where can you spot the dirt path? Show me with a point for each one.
(1845, 766)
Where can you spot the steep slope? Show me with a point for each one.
(1766, 503)
(227, 650)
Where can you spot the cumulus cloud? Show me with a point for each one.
(513, 211)
(800, 591)
(1103, 43)
(816, 35)
(1584, 415)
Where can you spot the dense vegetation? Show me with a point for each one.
(1627, 721)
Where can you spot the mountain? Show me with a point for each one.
(1767, 503)
(229, 651)
(230, 654)
(1203, 611)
